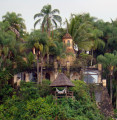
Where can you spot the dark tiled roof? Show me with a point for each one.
(67, 36)
(62, 81)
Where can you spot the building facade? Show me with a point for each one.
(50, 73)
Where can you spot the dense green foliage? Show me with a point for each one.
(27, 104)
(32, 101)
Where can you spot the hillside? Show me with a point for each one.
(32, 102)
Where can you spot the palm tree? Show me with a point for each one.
(58, 50)
(108, 61)
(39, 43)
(47, 17)
(44, 49)
(115, 80)
(109, 35)
(98, 43)
(112, 39)
(80, 28)
(16, 23)
(7, 45)
(115, 83)
(10, 50)
(85, 35)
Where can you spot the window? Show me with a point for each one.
(91, 77)
(68, 43)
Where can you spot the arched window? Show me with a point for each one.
(68, 43)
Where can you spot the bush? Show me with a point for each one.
(16, 109)
(5, 92)
(44, 89)
(70, 109)
(115, 113)
(28, 90)
(5, 89)
(31, 90)
(81, 90)
(30, 106)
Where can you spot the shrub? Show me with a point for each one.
(70, 109)
(28, 90)
(5, 92)
(16, 109)
(44, 89)
(115, 113)
(30, 106)
(81, 90)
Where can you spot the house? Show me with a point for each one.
(91, 75)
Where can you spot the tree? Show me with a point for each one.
(7, 44)
(58, 34)
(109, 36)
(58, 50)
(16, 23)
(39, 43)
(80, 27)
(85, 34)
(16, 27)
(48, 17)
(112, 39)
(108, 61)
(11, 53)
(115, 85)
(115, 79)
(98, 42)
(44, 49)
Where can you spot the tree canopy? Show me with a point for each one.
(21, 51)
(48, 17)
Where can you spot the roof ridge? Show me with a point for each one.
(67, 35)
(61, 81)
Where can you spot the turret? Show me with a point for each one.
(67, 39)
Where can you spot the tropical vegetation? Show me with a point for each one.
(21, 51)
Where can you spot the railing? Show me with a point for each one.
(69, 94)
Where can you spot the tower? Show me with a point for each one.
(68, 41)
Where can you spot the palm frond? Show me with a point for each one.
(54, 23)
(57, 18)
(41, 48)
(36, 45)
(55, 11)
(46, 9)
(38, 15)
(37, 22)
(102, 59)
(99, 43)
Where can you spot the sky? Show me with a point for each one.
(101, 9)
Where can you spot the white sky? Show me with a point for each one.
(102, 9)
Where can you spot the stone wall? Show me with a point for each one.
(103, 101)
(75, 76)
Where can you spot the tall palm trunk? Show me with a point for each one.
(42, 28)
(41, 69)
(48, 27)
(111, 92)
(116, 95)
(48, 58)
(92, 57)
(38, 81)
